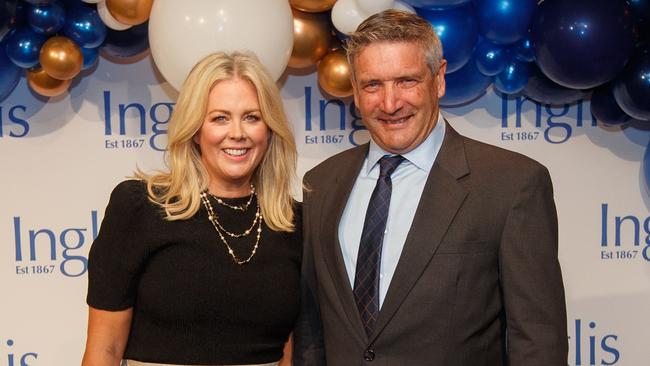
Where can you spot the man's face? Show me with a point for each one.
(397, 94)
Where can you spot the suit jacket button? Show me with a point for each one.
(369, 355)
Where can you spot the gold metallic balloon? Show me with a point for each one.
(61, 58)
(45, 85)
(312, 6)
(311, 38)
(130, 12)
(334, 74)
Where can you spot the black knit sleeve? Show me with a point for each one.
(118, 252)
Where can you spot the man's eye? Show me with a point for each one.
(371, 86)
(407, 83)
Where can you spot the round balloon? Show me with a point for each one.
(42, 83)
(346, 16)
(436, 4)
(312, 6)
(61, 58)
(311, 38)
(132, 12)
(7, 16)
(581, 44)
(490, 58)
(632, 87)
(513, 78)
(544, 90)
(90, 56)
(108, 18)
(84, 26)
(127, 43)
(524, 50)
(334, 74)
(23, 46)
(9, 74)
(504, 21)
(371, 7)
(641, 11)
(604, 107)
(179, 36)
(464, 85)
(458, 32)
(46, 19)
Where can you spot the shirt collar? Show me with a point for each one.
(422, 156)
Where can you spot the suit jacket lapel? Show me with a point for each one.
(333, 205)
(441, 198)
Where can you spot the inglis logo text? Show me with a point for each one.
(11, 122)
(589, 346)
(141, 120)
(630, 234)
(17, 359)
(43, 251)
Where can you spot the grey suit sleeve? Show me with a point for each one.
(308, 344)
(531, 278)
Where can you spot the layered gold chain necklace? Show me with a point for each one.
(222, 232)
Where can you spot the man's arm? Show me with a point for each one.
(531, 279)
(308, 344)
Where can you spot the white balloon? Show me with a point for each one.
(92, 1)
(179, 36)
(370, 7)
(346, 16)
(400, 5)
(108, 18)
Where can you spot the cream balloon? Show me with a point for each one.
(346, 16)
(109, 19)
(401, 5)
(370, 7)
(179, 36)
(92, 1)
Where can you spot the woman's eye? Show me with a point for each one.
(219, 118)
(252, 117)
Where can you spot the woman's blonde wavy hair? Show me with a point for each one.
(178, 190)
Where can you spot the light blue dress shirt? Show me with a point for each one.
(408, 183)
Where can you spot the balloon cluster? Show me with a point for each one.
(53, 40)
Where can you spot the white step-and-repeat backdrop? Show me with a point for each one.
(60, 158)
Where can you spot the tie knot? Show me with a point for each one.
(388, 164)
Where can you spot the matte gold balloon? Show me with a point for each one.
(312, 6)
(311, 38)
(334, 74)
(131, 12)
(61, 58)
(45, 85)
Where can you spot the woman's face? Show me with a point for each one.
(233, 137)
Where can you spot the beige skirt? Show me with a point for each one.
(138, 363)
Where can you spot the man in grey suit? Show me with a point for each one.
(425, 247)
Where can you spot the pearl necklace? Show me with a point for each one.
(221, 230)
(243, 207)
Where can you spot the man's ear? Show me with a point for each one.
(440, 76)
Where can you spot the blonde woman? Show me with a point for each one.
(200, 265)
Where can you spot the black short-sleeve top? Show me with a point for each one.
(192, 304)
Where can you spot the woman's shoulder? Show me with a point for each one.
(130, 189)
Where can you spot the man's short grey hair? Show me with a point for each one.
(396, 26)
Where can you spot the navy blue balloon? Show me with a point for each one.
(464, 85)
(632, 87)
(604, 107)
(46, 19)
(504, 21)
(23, 46)
(90, 57)
(436, 4)
(581, 44)
(7, 12)
(513, 78)
(524, 50)
(458, 31)
(38, 2)
(491, 58)
(9, 74)
(641, 11)
(84, 26)
(544, 90)
(127, 43)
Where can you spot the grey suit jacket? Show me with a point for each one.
(478, 282)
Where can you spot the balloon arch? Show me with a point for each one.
(552, 51)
